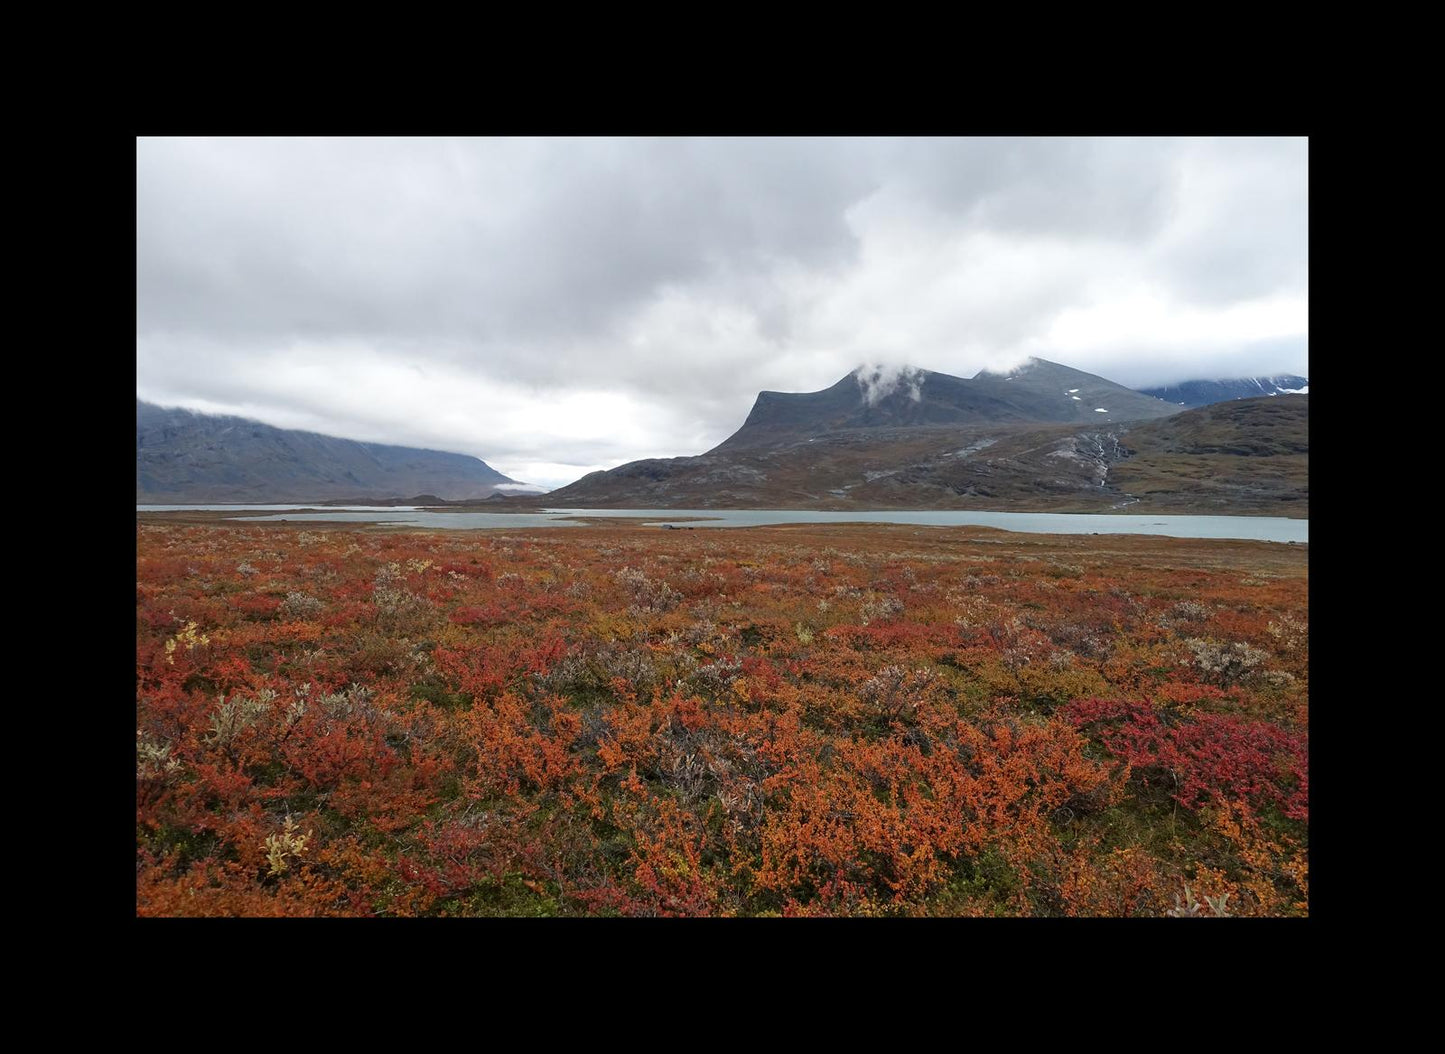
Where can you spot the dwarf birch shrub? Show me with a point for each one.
(1226, 663)
(300, 606)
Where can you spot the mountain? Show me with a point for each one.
(1202, 393)
(863, 442)
(1038, 391)
(988, 443)
(183, 456)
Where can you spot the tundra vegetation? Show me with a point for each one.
(876, 720)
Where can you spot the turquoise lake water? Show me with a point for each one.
(1259, 528)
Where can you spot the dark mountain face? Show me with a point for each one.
(187, 457)
(1203, 393)
(1036, 393)
(898, 441)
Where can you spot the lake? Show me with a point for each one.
(1257, 528)
(293, 505)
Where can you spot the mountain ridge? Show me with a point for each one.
(1190, 394)
(1039, 391)
(183, 455)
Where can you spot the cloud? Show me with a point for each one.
(519, 488)
(570, 304)
(879, 380)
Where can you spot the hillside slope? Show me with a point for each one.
(183, 456)
(1248, 457)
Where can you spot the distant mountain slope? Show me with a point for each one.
(841, 447)
(188, 457)
(1037, 392)
(1245, 457)
(1203, 393)
(1250, 455)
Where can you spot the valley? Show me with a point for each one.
(671, 526)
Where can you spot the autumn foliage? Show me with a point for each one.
(779, 721)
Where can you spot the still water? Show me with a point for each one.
(259, 508)
(1259, 528)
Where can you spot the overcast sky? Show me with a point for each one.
(558, 306)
